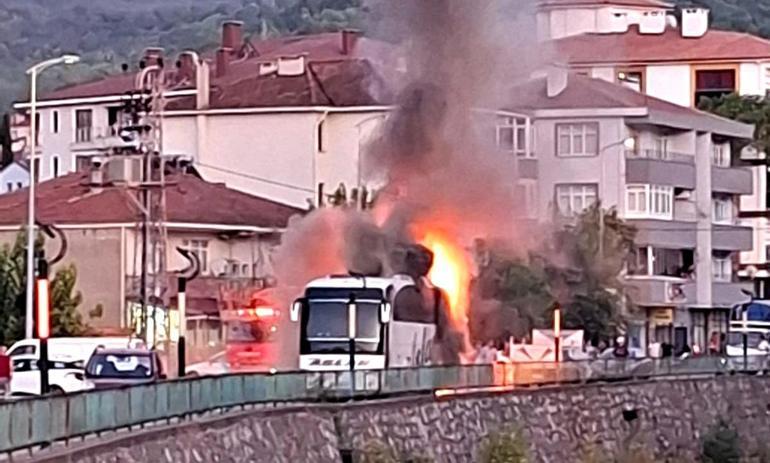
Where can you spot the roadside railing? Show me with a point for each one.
(28, 423)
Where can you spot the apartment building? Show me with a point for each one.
(232, 233)
(275, 117)
(667, 169)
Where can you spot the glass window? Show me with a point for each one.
(713, 83)
(572, 199)
(55, 121)
(723, 209)
(55, 166)
(631, 79)
(120, 366)
(721, 155)
(650, 201)
(577, 139)
(83, 125)
(201, 249)
(722, 268)
(512, 135)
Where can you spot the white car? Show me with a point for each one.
(63, 377)
(215, 366)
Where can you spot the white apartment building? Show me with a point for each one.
(675, 183)
(277, 118)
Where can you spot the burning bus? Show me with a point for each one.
(387, 322)
(250, 334)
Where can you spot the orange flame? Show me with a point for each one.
(451, 272)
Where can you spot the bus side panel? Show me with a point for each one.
(410, 344)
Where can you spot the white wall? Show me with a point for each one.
(607, 170)
(752, 80)
(276, 155)
(12, 177)
(671, 83)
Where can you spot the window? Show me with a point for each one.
(722, 267)
(55, 166)
(9, 186)
(512, 136)
(723, 209)
(572, 199)
(650, 201)
(639, 262)
(661, 148)
(713, 83)
(320, 137)
(577, 139)
(54, 121)
(18, 185)
(82, 163)
(37, 169)
(721, 155)
(678, 263)
(83, 125)
(199, 248)
(767, 253)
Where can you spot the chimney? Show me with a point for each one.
(223, 61)
(232, 35)
(96, 175)
(349, 39)
(695, 22)
(186, 66)
(557, 79)
(152, 56)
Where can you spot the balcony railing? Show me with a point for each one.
(660, 155)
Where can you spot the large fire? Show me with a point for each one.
(451, 272)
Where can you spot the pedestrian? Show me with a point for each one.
(764, 346)
(621, 350)
(714, 348)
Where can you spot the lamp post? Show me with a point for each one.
(33, 72)
(352, 309)
(557, 332)
(630, 144)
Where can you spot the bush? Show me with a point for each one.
(721, 445)
(505, 446)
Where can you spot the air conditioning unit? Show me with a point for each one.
(125, 169)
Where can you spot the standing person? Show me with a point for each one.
(714, 344)
(764, 345)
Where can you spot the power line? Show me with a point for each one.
(257, 178)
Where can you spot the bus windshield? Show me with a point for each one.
(736, 339)
(326, 327)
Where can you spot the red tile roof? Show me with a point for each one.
(638, 3)
(341, 83)
(587, 93)
(335, 77)
(633, 47)
(189, 199)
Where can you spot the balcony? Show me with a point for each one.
(656, 290)
(97, 138)
(660, 168)
(732, 237)
(733, 180)
(672, 234)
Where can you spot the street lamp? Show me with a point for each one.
(33, 73)
(628, 143)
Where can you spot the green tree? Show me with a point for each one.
(749, 109)
(505, 446)
(65, 318)
(721, 445)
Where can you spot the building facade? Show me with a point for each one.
(667, 170)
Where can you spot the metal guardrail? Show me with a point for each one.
(28, 423)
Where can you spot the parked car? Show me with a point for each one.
(77, 349)
(63, 377)
(123, 367)
(216, 365)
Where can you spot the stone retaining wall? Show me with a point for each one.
(559, 424)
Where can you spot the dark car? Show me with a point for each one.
(123, 367)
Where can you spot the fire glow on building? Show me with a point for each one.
(445, 184)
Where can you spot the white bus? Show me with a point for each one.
(753, 319)
(396, 322)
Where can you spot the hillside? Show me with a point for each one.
(108, 33)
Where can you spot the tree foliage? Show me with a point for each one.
(721, 445)
(505, 446)
(749, 109)
(65, 319)
(572, 268)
